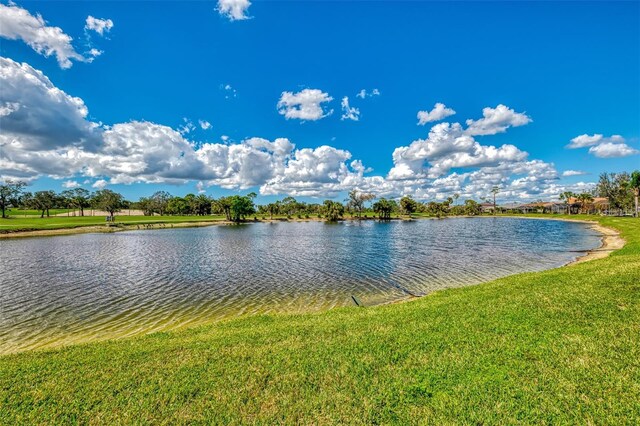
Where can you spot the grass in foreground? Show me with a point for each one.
(556, 347)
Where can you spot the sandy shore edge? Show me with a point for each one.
(610, 238)
(611, 241)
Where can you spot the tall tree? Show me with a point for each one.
(495, 190)
(77, 198)
(566, 197)
(634, 183)
(357, 200)
(408, 205)
(384, 208)
(615, 187)
(44, 201)
(472, 208)
(241, 206)
(10, 192)
(222, 206)
(333, 210)
(177, 206)
(203, 205)
(288, 206)
(584, 198)
(273, 208)
(160, 201)
(108, 200)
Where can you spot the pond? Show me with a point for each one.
(68, 289)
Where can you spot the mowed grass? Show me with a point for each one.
(35, 222)
(555, 347)
(31, 212)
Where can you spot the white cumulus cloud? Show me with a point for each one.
(612, 150)
(100, 184)
(100, 26)
(46, 132)
(17, 23)
(304, 105)
(70, 184)
(496, 120)
(613, 146)
(439, 112)
(235, 10)
(585, 140)
(36, 114)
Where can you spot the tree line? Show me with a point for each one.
(621, 189)
(235, 208)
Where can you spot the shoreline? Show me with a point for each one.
(462, 337)
(85, 229)
(610, 241)
(610, 238)
(103, 229)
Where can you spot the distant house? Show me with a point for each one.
(486, 207)
(598, 205)
(543, 207)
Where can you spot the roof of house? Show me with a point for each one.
(596, 200)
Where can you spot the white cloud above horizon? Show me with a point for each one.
(613, 146)
(98, 25)
(17, 23)
(100, 184)
(362, 94)
(569, 173)
(349, 112)
(439, 112)
(496, 120)
(613, 150)
(47, 132)
(70, 184)
(234, 10)
(305, 105)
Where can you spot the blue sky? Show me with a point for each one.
(561, 70)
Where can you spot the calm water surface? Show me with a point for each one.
(60, 290)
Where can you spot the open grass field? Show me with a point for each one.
(30, 220)
(35, 222)
(555, 347)
(28, 212)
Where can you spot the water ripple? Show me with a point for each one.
(84, 287)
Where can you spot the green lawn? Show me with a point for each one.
(27, 212)
(556, 347)
(18, 223)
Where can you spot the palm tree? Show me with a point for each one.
(634, 183)
(333, 210)
(384, 208)
(494, 191)
(566, 196)
(584, 198)
(408, 204)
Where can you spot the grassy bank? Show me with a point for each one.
(31, 220)
(34, 223)
(559, 347)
